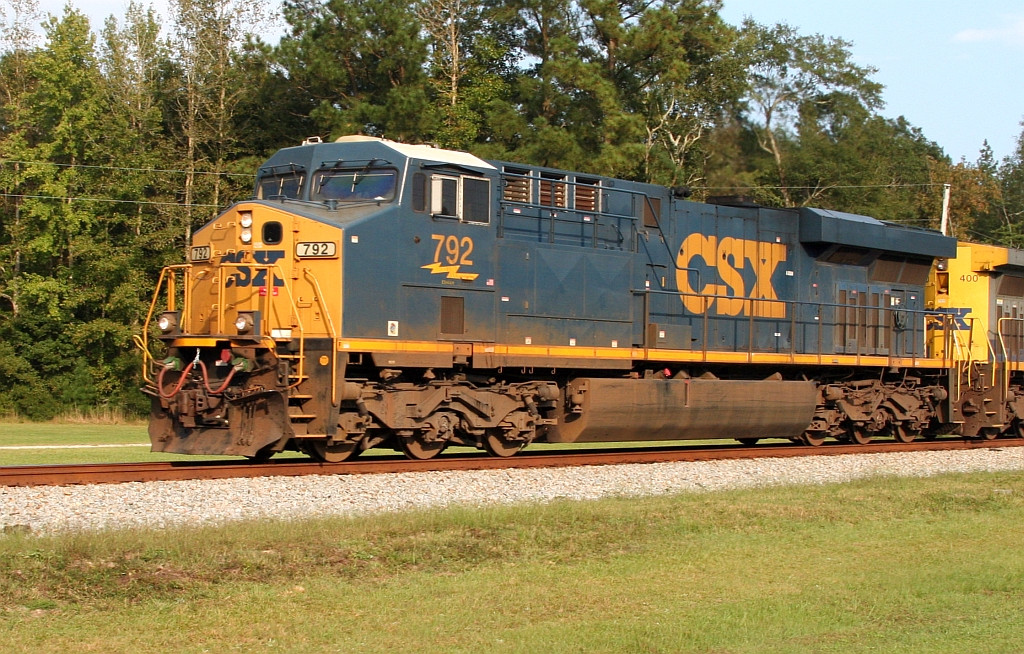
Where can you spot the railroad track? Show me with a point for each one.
(102, 473)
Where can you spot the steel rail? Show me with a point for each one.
(109, 473)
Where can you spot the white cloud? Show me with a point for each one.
(1011, 33)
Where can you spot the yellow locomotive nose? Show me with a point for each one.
(237, 323)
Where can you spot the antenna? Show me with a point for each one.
(945, 209)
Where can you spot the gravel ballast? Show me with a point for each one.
(44, 510)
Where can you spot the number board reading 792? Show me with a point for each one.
(313, 249)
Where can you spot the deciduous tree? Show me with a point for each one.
(789, 71)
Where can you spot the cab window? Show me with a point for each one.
(282, 185)
(462, 197)
(354, 185)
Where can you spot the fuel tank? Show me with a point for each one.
(599, 410)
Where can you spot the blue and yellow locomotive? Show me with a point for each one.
(375, 293)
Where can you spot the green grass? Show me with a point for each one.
(71, 433)
(890, 565)
(48, 434)
(41, 437)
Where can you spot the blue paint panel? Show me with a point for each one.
(559, 282)
(608, 278)
(421, 314)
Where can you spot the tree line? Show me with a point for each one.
(117, 141)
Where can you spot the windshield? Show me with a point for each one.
(354, 185)
(286, 185)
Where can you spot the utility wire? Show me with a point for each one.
(109, 200)
(123, 169)
(812, 188)
(176, 204)
(696, 188)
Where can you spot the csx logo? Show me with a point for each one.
(243, 275)
(744, 273)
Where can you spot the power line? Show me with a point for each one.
(108, 200)
(813, 188)
(696, 188)
(123, 169)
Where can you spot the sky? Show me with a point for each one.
(950, 67)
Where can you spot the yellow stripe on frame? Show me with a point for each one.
(638, 354)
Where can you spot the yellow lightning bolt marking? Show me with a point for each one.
(451, 272)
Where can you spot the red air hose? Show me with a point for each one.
(177, 387)
(184, 375)
(227, 380)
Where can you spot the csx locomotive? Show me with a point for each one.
(375, 293)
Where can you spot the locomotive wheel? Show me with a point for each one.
(904, 434)
(812, 438)
(497, 444)
(859, 435)
(421, 450)
(753, 441)
(988, 433)
(330, 453)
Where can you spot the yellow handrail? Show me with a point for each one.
(267, 307)
(964, 359)
(315, 283)
(166, 276)
(1002, 346)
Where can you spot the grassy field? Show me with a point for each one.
(131, 441)
(885, 565)
(68, 433)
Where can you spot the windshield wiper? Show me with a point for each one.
(363, 171)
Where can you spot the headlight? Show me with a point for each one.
(245, 323)
(246, 235)
(245, 219)
(168, 322)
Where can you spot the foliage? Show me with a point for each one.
(1010, 207)
(116, 141)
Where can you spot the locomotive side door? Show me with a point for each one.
(906, 325)
(449, 294)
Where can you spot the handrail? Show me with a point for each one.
(143, 341)
(554, 219)
(920, 323)
(147, 357)
(269, 304)
(265, 305)
(965, 358)
(1002, 345)
(315, 283)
